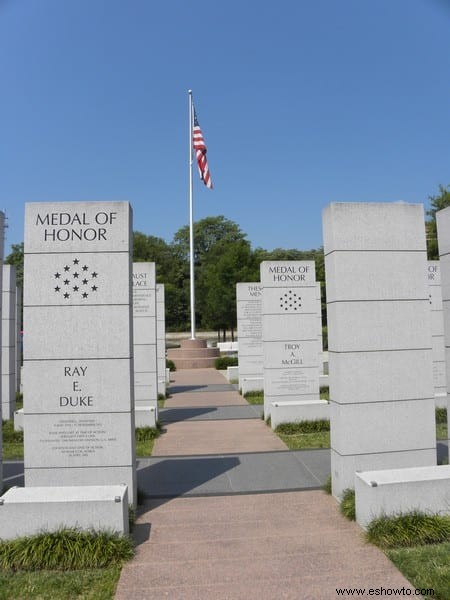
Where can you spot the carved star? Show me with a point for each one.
(75, 261)
(85, 281)
(66, 282)
(85, 295)
(75, 275)
(94, 275)
(57, 288)
(57, 275)
(75, 288)
(67, 268)
(85, 268)
(94, 288)
(66, 295)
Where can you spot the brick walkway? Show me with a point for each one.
(289, 545)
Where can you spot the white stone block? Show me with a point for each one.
(145, 416)
(391, 492)
(249, 329)
(232, 373)
(295, 411)
(251, 384)
(374, 225)
(18, 420)
(380, 423)
(33, 510)
(343, 468)
(167, 376)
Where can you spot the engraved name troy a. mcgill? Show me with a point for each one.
(75, 280)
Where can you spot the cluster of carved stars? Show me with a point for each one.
(290, 300)
(75, 279)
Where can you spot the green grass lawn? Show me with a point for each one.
(426, 567)
(300, 441)
(93, 584)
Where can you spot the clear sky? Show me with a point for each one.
(301, 102)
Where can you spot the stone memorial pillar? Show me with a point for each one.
(78, 347)
(18, 336)
(379, 339)
(443, 231)
(2, 234)
(289, 334)
(437, 333)
(9, 342)
(249, 330)
(145, 364)
(161, 338)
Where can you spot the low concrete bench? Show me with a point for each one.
(394, 491)
(232, 373)
(145, 416)
(298, 410)
(32, 510)
(251, 384)
(18, 420)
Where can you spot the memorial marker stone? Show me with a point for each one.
(437, 333)
(161, 338)
(443, 231)
(249, 330)
(144, 324)
(18, 336)
(289, 333)
(8, 342)
(379, 340)
(78, 386)
(2, 233)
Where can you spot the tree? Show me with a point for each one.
(16, 258)
(438, 202)
(228, 264)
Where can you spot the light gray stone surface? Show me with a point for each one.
(2, 233)
(437, 333)
(249, 330)
(379, 339)
(443, 232)
(32, 510)
(308, 410)
(18, 336)
(161, 337)
(390, 492)
(9, 335)
(291, 344)
(79, 418)
(145, 340)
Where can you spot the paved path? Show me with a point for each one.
(202, 535)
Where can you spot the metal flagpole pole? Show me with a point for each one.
(191, 221)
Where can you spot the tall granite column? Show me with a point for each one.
(9, 342)
(144, 323)
(437, 333)
(18, 336)
(249, 330)
(443, 231)
(289, 333)
(379, 339)
(2, 234)
(78, 348)
(161, 338)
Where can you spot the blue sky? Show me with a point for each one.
(301, 102)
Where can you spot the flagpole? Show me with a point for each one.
(191, 223)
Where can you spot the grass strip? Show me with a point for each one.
(303, 441)
(348, 504)
(407, 530)
(65, 550)
(426, 567)
(62, 585)
(255, 397)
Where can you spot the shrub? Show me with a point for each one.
(347, 505)
(441, 415)
(144, 434)
(9, 435)
(67, 549)
(327, 485)
(222, 362)
(170, 365)
(303, 427)
(407, 530)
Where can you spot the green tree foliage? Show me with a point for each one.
(438, 202)
(16, 258)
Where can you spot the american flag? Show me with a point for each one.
(200, 151)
